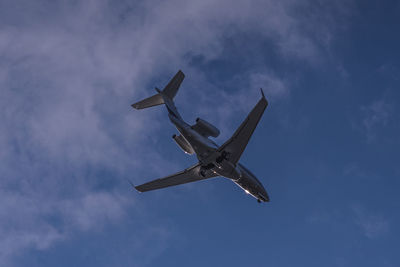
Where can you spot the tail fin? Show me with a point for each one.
(169, 92)
(172, 87)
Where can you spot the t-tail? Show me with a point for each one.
(165, 96)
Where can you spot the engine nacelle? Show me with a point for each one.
(205, 128)
(183, 144)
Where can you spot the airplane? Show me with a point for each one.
(213, 160)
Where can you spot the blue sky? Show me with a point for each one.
(326, 149)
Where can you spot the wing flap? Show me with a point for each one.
(186, 176)
(238, 142)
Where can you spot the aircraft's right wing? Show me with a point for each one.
(238, 142)
(191, 174)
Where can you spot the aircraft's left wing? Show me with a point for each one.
(191, 174)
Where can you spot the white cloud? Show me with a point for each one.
(272, 85)
(377, 113)
(376, 116)
(371, 224)
(86, 211)
(20, 225)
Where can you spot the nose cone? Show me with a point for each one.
(264, 195)
(258, 190)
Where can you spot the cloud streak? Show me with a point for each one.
(375, 115)
(372, 225)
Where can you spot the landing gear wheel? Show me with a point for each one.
(259, 201)
(224, 156)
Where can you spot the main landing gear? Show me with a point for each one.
(204, 169)
(223, 156)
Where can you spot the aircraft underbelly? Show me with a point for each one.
(227, 169)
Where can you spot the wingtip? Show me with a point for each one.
(262, 93)
(263, 96)
(180, 72)
(133, 186)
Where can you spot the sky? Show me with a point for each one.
(326, 149)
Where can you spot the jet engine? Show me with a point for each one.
(183, 144)
(205, 128)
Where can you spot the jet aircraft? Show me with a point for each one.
(213, 160)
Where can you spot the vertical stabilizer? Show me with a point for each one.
(165, 96)
(172, 87)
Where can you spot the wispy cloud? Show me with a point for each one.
(375, 115)
(273, 86)
(372, 225)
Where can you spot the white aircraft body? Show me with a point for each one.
(213, 160)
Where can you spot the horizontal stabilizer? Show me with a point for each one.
(151, 101)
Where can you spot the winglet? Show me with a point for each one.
(263, 96)
(262, 93)
(130, 182)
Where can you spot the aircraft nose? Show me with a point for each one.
(265, 195)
